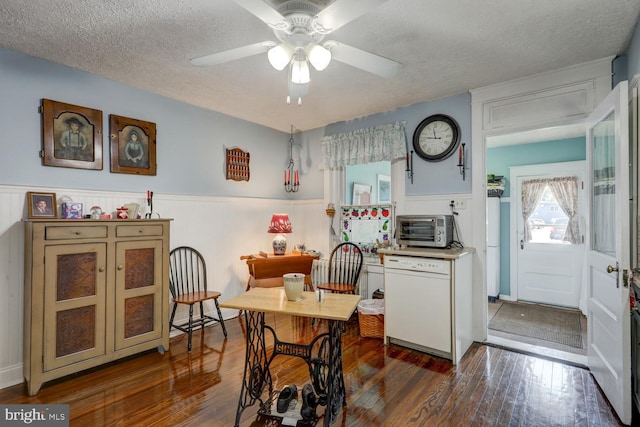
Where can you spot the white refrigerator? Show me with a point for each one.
(493, 247)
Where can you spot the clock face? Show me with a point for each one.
(436, 137)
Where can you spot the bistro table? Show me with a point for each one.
(323, 354)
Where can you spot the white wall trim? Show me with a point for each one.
(598, 71)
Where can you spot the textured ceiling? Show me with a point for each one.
(446, 47)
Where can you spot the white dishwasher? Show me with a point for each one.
(418, 303)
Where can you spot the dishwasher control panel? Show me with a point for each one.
(430, 265)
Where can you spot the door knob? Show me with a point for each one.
(611, 269)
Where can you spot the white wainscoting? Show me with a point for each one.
(222, 228)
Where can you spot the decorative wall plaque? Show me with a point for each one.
(237, 165)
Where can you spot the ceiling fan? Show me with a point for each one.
(300, 27)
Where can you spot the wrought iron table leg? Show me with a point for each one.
(256, 369)
(336, 396)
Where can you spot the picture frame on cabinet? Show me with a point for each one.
(361, 194)
(42, 205)
(133, 145)
(384, 188)
(71, 136)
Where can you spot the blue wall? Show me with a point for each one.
(191, 141)
(498, 162)
(429, 177)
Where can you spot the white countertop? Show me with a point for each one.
(429, 252)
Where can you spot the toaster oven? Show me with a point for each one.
(432, 231)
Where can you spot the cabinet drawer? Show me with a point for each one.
(138, 230)
(71, 232)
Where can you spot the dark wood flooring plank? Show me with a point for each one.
(492, 400)
(386, 385)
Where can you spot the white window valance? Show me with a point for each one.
(384, 142)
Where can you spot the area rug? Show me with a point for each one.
(536, 321)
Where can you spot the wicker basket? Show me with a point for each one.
(371, 325)
(494, 192)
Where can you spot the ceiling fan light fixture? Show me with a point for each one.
(280, 56)
(319, 56)
(300, 71)
(297, 91)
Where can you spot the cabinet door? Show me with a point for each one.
(74, 303)
(139, 287)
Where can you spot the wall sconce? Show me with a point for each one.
(291, 178)
(409, 168)
(461, 161)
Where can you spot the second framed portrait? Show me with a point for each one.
(133, 145)
(71, 136)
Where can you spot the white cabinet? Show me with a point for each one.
(375, 278)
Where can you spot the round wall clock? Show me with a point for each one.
(436, 137)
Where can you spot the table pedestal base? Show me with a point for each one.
(323, 356)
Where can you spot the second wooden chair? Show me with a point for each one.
(188, 285)
(345, 264)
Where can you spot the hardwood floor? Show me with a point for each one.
(386, 385)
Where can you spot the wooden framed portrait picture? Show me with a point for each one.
(71, 136)
(133, 145)
(42, 205)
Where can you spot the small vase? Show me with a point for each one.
(293, 286)
(279, 245)
(122, 213)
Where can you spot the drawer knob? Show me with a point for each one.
(119, 267)
(101, 269)
(77, 233)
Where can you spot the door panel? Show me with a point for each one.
(138, 293)
(608, 254)
(546, 269)
(74, 311)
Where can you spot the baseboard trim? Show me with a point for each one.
(11, 376)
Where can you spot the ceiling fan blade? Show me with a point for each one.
(233, 54)
(366, 61)
(342, 12)
(265, 13)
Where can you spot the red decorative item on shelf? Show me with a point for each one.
(122, 213)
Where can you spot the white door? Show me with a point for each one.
(546, 268)
(608, 250)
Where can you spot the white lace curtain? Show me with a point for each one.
(531, 194)
(384, 142)
(565, 190)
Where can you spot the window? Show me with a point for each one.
(548, 223)
(549, 207)
(367, 174)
